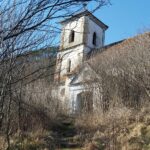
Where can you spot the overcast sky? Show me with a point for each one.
(125, 18)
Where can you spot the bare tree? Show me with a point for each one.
(28, 25)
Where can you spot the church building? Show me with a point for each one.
(81, 34)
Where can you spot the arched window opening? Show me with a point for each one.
(94, 38)
(68, 65)
(72, 36)
(84, 102)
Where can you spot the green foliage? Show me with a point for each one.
(146, 147)
(142, 140)
(101, 146)
(146, 138)
(26, 144)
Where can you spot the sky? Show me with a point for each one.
(125, 18)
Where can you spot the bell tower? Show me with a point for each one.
(80, 34)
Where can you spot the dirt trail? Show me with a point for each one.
(65, 133)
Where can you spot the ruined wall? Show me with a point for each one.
(75, 55)
(84, 28)
(76, 25)
(91, 27)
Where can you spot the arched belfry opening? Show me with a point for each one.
(94, 38)
(72, 36)
(68, 65)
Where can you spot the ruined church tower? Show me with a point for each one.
(81, 34)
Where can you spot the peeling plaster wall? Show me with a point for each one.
(74, 91)
(84, 28)
(77, 89)
(78, 27)
(76, 57)
(92, 27)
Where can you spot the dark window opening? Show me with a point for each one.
(94, 38)
(72, 36)
(85, 102)
(69, 65)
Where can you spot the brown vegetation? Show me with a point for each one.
(123, 71)
(29, 114)
(26, 105)
(120, 120)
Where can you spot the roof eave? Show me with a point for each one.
(85, 13)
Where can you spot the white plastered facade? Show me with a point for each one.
(70, 84)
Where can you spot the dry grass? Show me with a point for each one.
(95, 120)
(39, 139)
(119, 128)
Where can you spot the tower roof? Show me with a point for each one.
(86, 13)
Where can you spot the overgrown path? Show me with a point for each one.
(65, 134)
